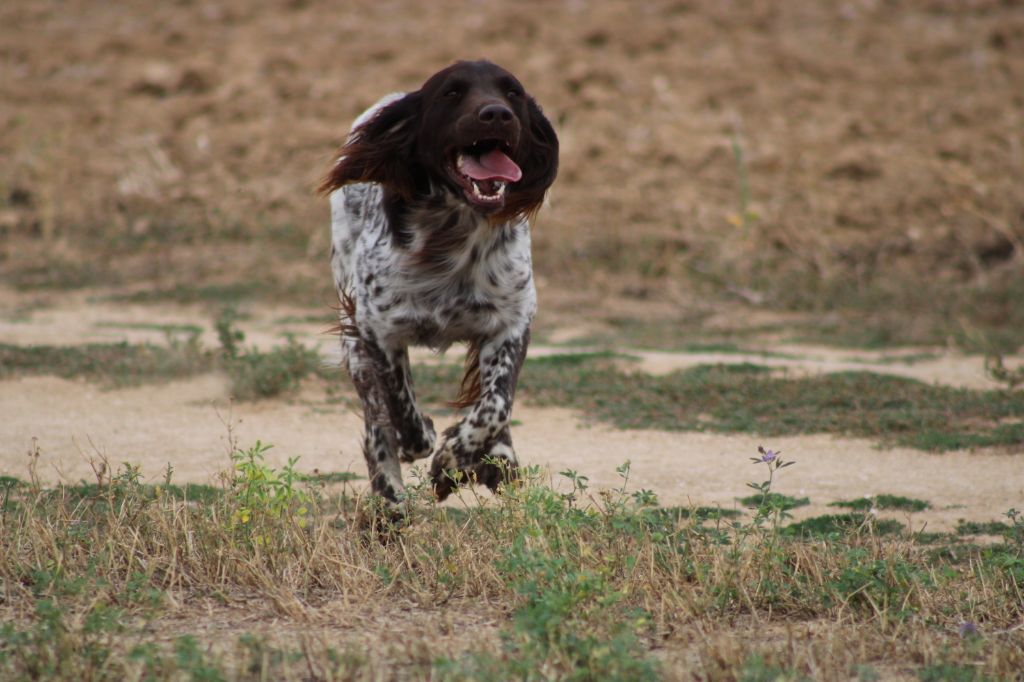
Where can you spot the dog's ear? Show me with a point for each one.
(382, 149)
(538, 160)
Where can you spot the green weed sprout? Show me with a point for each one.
(262, 493)
(769, 507)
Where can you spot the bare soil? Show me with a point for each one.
(879, 140)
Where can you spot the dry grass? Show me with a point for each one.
(271, 579)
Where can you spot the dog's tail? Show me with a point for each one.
(346, 316)
(470, 388)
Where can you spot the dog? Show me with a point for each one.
(431, 197)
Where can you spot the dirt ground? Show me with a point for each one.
(860, 137)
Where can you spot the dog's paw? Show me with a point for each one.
(422, 445)
(498, 467)
(381, 518)
(444, 471)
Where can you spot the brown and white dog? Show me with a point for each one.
(430, 200)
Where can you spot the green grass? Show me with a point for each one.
(903, 359)
(332, 477)
(900, 310)
(259, 374)
(775, 501)
(312, 318)
(887, 502)
(746, 398)
(86, 492)
(114, 364)
(302, 291)
(62, 274)
(190, 293)
(832, 525)
(167, 329)
(983, 528)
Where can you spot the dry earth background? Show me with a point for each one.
(802, 177)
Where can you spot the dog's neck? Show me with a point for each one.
(437, 219)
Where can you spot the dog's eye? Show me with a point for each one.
(512, 94)
(453, 92)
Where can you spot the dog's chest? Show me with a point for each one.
(477, 287)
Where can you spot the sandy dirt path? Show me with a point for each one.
(185, 423)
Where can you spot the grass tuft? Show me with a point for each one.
(775, 501)
(832, 525)
(117, 364)
(887, 502)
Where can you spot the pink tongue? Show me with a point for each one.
(494, 165)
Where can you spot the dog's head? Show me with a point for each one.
(471, 128)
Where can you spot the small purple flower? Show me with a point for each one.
(968, 629)
(767, 455)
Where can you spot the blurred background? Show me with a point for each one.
(847, 172)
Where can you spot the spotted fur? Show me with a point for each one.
(417, 262)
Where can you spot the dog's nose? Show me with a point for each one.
(491, 113)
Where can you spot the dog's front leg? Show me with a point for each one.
(480, 446)
(380, 442)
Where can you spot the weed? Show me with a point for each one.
(1011, 378)
(572, 620)
(766, 510)
(256, 374)
(886, 587)
(745, 216)
(257, 490)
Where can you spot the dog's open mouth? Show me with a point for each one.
(484, 170)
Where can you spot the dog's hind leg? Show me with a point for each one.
(415, 430)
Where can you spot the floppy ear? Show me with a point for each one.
(381, 150)
(539, 161)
